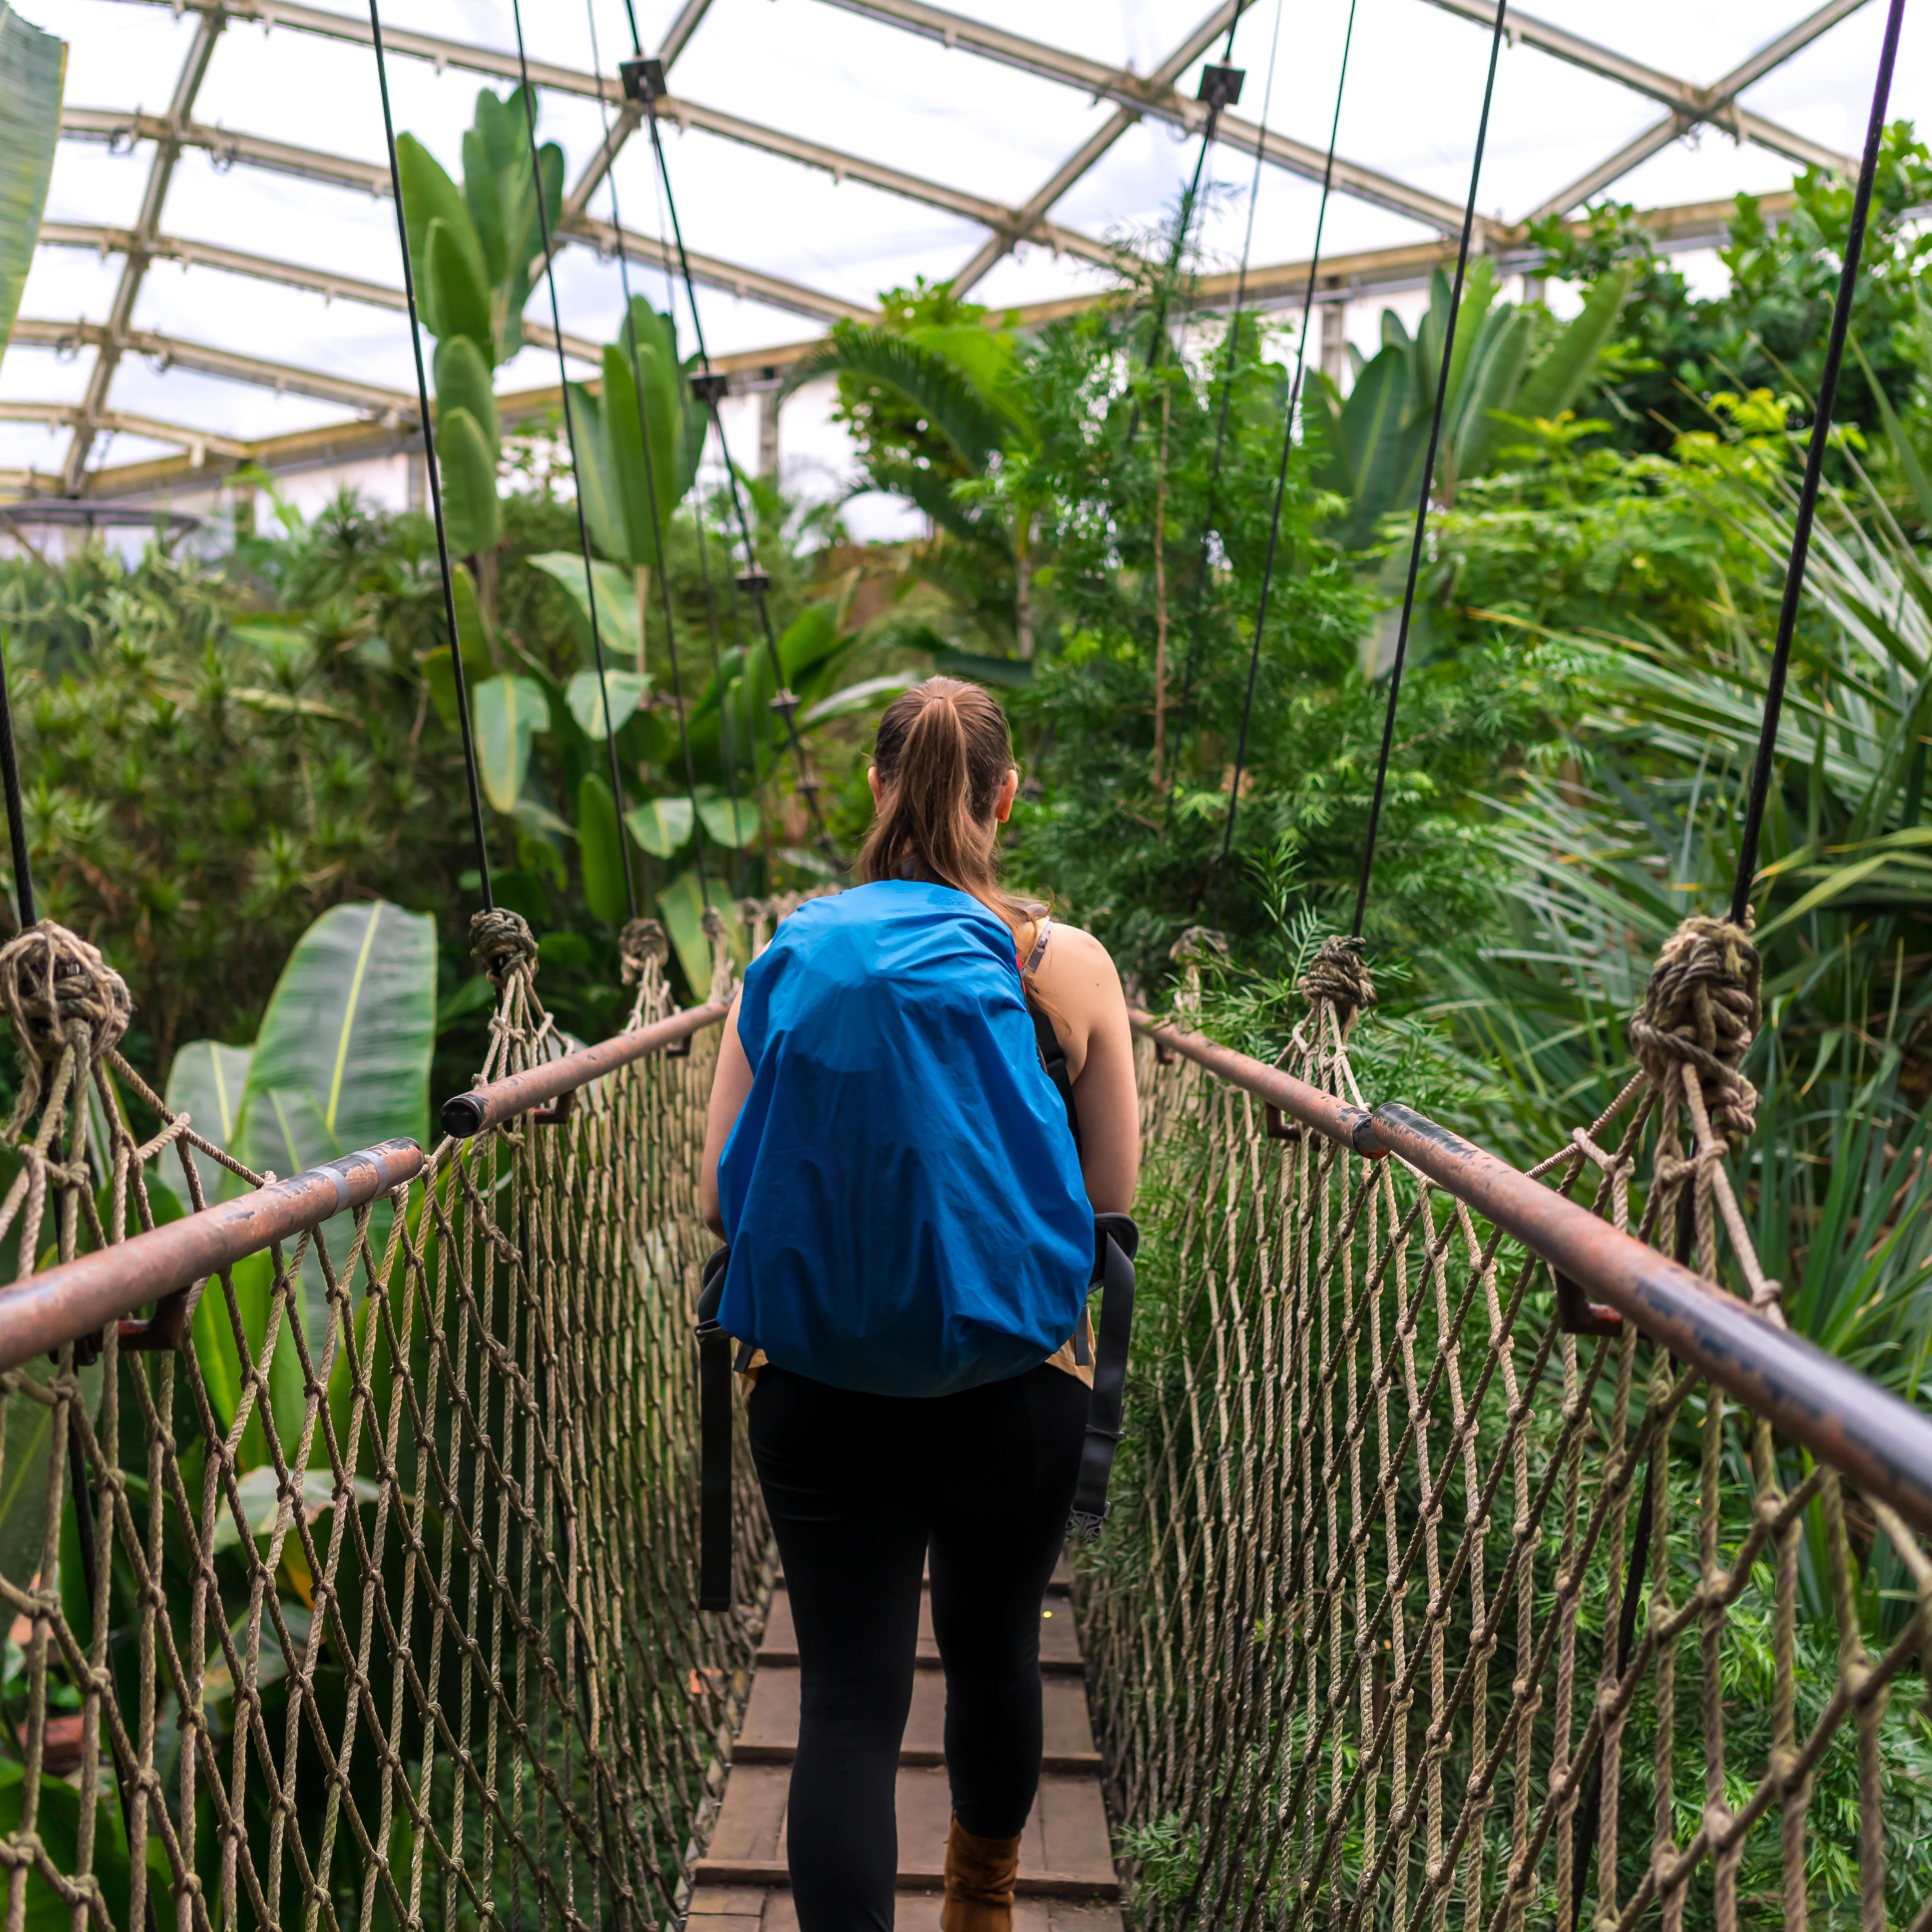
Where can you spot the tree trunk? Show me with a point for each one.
(1023, 588)
(1160, 598)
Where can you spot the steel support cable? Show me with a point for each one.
(1428, 482)
(577, 481)
(807, 785)
(1287, 437)
(697, 496)
(1814, 464)
(463, 718)
(650, 477)
(1590, 1811)
(1156, 335)
(755, 580)
(1230, 349)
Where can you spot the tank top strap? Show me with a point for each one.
(1042, 934)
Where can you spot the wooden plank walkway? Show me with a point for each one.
(1067, 1881)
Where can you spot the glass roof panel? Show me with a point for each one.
(980, 129)
(868, 89)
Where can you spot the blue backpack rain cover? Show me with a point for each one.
(901, 1193)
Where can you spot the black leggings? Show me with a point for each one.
(858, 1488)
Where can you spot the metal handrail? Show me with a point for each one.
(496, 1101)
(1882, 1444)
(79, 1298)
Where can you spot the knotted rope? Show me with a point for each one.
(1701, 1010)
(503, 941)
(712, 923)
(642, 943)
(59, 993)
(1339, 975)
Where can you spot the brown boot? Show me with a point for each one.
(979, 1876)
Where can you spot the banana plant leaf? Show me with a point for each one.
(472, 512)
(220, 1361)
(206, 1082)
(728, 821)
(851, 697)
(498, 188)
(429, 195)
(661, 826)
(463, 382)
(508, 712)
(600, 845)
(462, 292)
(1555, 384)
(585, 695)
(33, 74)
(350, 1027)
(23, 1476)
(478, 662)
(682, 905)
(617, 593)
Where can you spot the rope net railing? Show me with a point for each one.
(1435, 1592)
(383, 1620)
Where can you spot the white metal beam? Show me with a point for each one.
(266, 268)
(311, 163)
(172, 352)
(1717, 104)
(134, 263)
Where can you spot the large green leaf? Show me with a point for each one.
(206, 1082)
(430, 195)
(1560, 378)
(23, 1474)
(463, 382)
(1489, 385)
(508, 710)
(33, 72)
(644, 501)
(934, 382)
(682, 906)
(728, 821)
(600, 845)
(661, 826)
(342, 1059)
(462, 294)
(616, 592)
(852, 698)
(215, 1354)
(585, 695)
(472, 511)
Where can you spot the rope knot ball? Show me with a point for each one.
(1338, 974)
(58, 991)
(503, 941)
(1701, 1008)
(641, 943)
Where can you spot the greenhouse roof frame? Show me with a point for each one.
(383, 415)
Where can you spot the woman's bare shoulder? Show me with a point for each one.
(1077, 962)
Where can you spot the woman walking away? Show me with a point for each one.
(911, 1228)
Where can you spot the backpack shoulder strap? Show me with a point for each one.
(1053, 1060)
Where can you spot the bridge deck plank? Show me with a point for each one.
(1066, 1880)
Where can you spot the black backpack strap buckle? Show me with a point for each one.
(1116, 1241)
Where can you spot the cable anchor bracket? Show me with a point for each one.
(643, 79)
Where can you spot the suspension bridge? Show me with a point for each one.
(1456, 1500)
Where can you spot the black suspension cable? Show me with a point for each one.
(1230, 352)
(1814, 464)
(697, 516)
(16, 820)
(753, 580)
(1428, 481)
(435, 478)
(577, 485)
(1281, 473)
(1217, 98)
